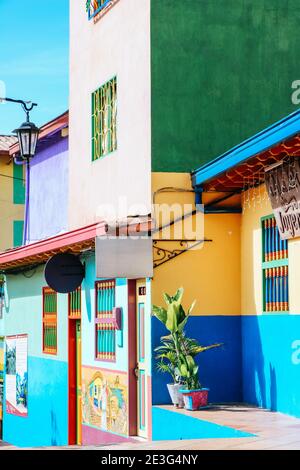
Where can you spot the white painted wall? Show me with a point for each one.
(118, 44)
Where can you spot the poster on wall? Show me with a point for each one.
(1, 376)
(105, 400)
(16, 377)
(283, 186)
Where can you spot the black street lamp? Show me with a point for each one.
(27, 135)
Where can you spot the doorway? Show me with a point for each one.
(1, 384)
(75, 408)
(141, 368)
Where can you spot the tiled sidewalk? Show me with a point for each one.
(272, 431)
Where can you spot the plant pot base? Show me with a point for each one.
(176, 395)
(195, 399)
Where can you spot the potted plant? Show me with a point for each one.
(167, 363)
(176, 354)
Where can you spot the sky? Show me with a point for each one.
(34, 41)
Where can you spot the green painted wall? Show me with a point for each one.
(19, 185)
(18, 232)
(221, 71)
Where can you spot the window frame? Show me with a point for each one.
(280, 263)
(106, 321)
(77, 312)
(112, 127)
(54, 352)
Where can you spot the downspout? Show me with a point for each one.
(26, 215)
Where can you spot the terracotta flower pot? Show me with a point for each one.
(195, 399)
(176, 395)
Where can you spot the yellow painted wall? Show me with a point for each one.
(210, 275)
(8, 210)
(256, 204)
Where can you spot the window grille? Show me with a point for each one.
(104, 120)
(104, 321)
(49, 321)
(275, 268)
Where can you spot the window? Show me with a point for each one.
(98, 7)
(75, 304)
(104, 120)
(275, 268)
(49, 321)
(104, 321)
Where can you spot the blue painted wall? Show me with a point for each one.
(46, 423)
(220, 369)
(271, 362)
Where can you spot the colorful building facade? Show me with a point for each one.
(146, 84)
(268, 260)
(12, 196)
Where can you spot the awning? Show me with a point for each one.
(229, 172)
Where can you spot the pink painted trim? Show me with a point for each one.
(64, 240)
(59, 241)
(10, 409)
(93, 436)
(149, 403)
(143, 404)
(142, 329)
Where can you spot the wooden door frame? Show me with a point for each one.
(72, 383)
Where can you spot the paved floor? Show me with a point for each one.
(272, 431)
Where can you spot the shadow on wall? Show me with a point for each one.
(254, 384)
(220, 369)
(271, 362)
(273, 388)
(55, 437)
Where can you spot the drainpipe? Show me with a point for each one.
(27, 194)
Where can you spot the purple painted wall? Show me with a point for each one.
(49, 190)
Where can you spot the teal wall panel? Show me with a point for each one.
(222, 70)
(18, 185)
(18, 232)
(23, 313)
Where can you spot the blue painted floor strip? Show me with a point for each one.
(171, 425)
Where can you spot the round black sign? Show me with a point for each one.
(64, 273)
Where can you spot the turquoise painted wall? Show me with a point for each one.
(271, 362)
(88, 321)
(47, 421)
(222, 70)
